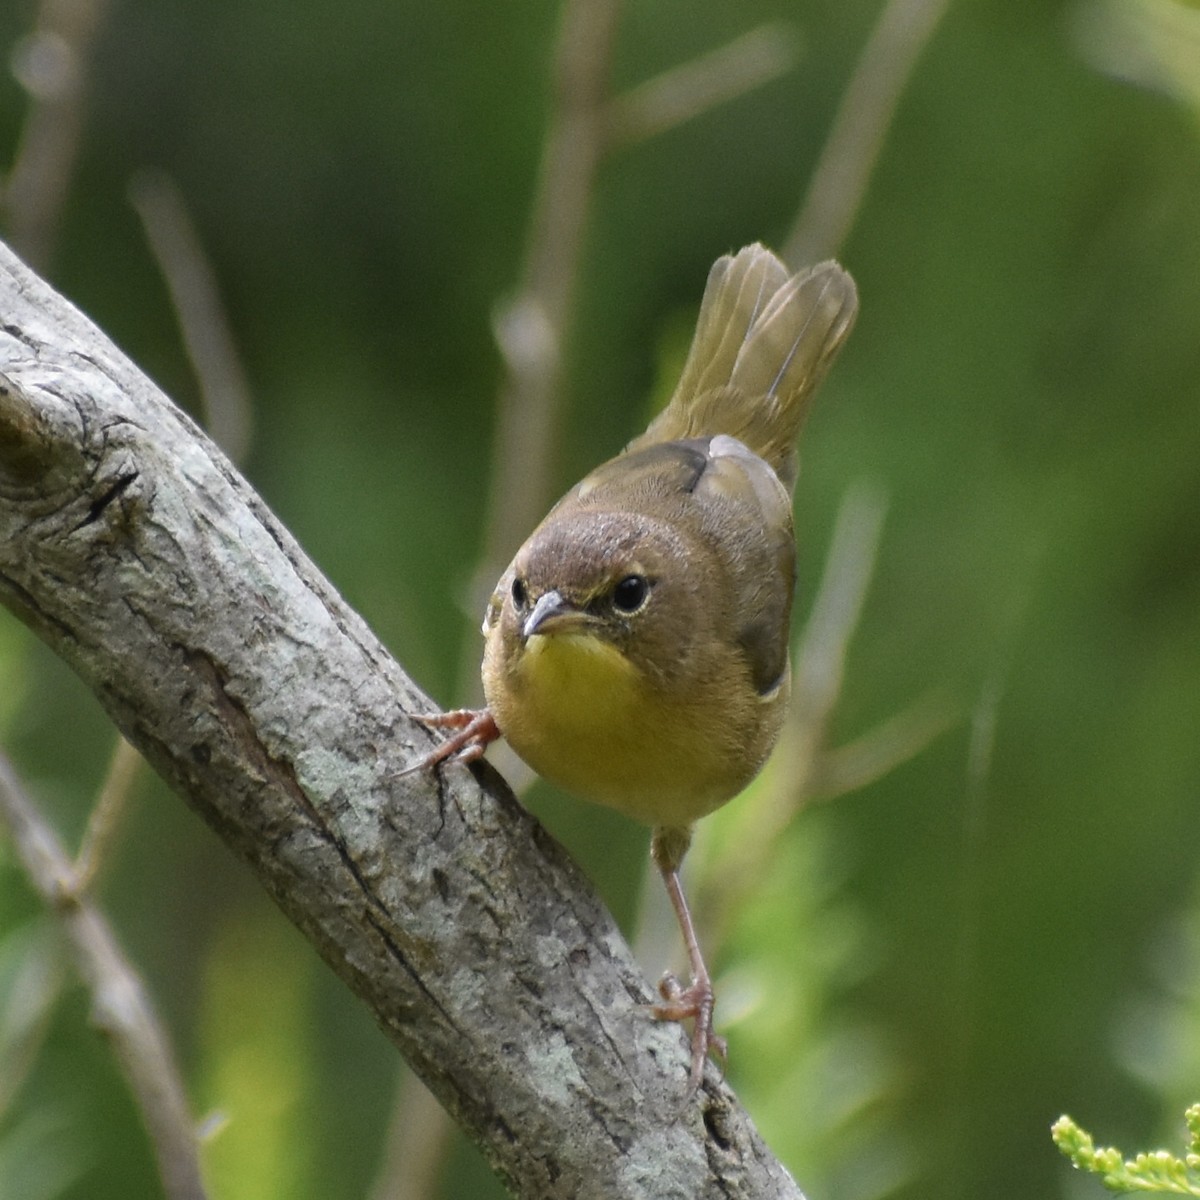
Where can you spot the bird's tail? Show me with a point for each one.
(764, 341)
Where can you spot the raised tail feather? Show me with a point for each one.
(764, 341)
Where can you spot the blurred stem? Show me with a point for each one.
(417, 1142)
(203, 324)
(860, 128)
(120, 1006)
(821, 660)
(879, 751)
(51, 64)
(960, 1003)
(685, 92)
(25, 1018)
(531, 327)
(106, 813)
(820, 666)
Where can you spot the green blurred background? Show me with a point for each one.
(930, 969)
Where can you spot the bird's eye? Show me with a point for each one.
(519, 593)
(630, 594)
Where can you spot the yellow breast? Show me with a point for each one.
(582, 715)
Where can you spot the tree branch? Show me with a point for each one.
(129, 543)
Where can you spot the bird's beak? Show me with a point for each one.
(551, 609)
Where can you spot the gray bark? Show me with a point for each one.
(130, 544)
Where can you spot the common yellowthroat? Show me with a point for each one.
(637, 646)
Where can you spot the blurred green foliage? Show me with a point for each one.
(937, 966)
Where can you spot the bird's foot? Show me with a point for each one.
(475, 728)
(692, 1003)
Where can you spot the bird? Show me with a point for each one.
(637, 647)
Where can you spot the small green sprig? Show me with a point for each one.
(1159, 1171)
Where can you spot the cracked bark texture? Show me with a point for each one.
(131, 545)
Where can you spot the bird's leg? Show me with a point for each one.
(696, 1001)
(476, 730)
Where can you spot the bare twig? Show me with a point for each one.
(51, 63)
(1150, 43)
(106, 813)
(879, 751)
(531, 327)
(860, 128)
(819, 667)
(120, 1006)
(821, 657)
(961, 1002)
(687, 91)
(30, 1000)
(207, 336)
(418, 1136)
(821, 661)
